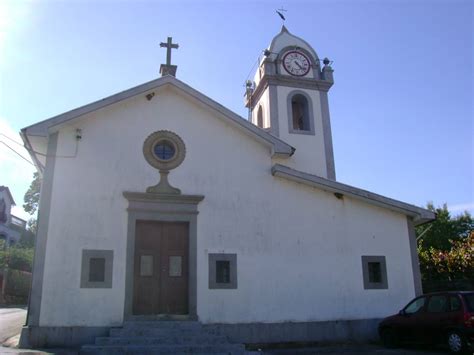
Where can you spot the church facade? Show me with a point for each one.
(158, 203)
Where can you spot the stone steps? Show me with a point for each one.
(163, 337)
(157, 332)
(162, 324)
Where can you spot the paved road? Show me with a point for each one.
(11, 322)
(357, 349)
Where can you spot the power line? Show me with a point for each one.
(14, 141)
(42, 154)
(251, 69)
(14, 151)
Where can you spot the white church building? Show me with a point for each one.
(158, 203)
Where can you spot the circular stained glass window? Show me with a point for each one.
(164, 150)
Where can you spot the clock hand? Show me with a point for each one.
(298, 64)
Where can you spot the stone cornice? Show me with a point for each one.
(285, 80)
(169, 198)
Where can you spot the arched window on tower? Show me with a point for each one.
(300, 113)
(260, 117)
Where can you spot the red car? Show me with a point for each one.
(442, 317)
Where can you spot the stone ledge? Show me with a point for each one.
(360, 330)
(54, 337)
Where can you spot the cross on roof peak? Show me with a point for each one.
(168, 68)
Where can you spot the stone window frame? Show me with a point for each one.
(178, 144)
(162, 208)
(291, 130)
(213, 258)
(366, 259)
(88, 254)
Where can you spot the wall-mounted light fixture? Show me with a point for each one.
(150, 96)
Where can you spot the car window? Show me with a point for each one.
(469, 298)
(437, 304)
(454, 303)
(415, 306)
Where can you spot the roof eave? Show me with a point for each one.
(43, 128)
(419, 215)
(31, 151)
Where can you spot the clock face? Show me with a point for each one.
(296, 63)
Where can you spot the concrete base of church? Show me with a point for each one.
(59, 337)
(361, 330)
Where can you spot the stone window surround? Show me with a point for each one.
(87, 255)
(174, 140)
(291, 130)
(162, 208)
(213, 258)
(365, 271)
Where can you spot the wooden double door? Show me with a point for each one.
(161, 266)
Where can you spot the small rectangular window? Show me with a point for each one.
(223, 271)
(146, 265)
(375, 272)
(175, 267)
(96, 270)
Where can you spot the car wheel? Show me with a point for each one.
(389, 338)
(456, 342)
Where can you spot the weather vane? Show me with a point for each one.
(280, 13)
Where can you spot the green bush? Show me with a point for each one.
(21, 259)
(18, 283)
(17, 258)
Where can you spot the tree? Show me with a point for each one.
(446, 251)
(32, 196)
(444, 229)
(31, 201)
(454, 264)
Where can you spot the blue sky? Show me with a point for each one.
(401, 107)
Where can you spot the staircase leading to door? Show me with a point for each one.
(166, 337)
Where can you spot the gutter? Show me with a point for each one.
(30, 150)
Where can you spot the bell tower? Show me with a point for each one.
(289, 99)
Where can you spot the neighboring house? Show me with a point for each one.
(11, 230)
(11, 227)
(161, 203)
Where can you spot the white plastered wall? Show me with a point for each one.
(298, 249)
(309, 156)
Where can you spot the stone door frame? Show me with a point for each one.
(162, 208)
